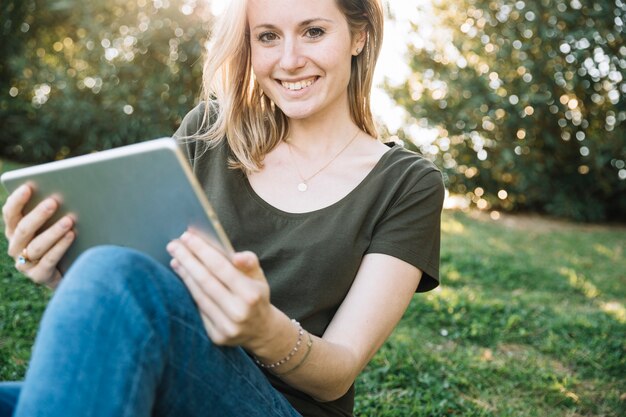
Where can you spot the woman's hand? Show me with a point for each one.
(36, 253)
(232, 295)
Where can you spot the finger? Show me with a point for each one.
(30, 224)
(248, 263)
(196, 269)
(212, 331)
(247, 291)
(12, 209)
(204, 283)
(44, 241)
(214, 260)
(44, 271)
(237, 293)
(232, 305)
(54, 281)
(218, 324)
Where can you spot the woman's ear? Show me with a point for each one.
(358, 42)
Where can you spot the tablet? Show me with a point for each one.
(140, 196)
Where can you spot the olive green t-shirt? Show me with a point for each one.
(311, 259)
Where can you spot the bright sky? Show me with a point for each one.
(391, 63)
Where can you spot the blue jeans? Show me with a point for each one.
(123, 337)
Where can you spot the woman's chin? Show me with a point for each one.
(298, 112)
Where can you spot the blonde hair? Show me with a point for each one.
(243, 114)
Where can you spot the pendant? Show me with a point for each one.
(302, 187)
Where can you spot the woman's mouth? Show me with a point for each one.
(298, 85)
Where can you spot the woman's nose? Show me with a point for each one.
(292, 57)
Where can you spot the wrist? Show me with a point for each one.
(273, 366)
(277, 340)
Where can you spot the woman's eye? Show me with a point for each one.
(314, 32)
(267, 37)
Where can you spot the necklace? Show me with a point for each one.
(303, 185)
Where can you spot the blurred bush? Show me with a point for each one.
(78, 76)
(529, 100)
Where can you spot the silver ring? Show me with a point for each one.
(23, 259)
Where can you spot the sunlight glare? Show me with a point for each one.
(218, 6)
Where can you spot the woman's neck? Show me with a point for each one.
(318, 137)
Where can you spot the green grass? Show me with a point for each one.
(21, 306)
(530, 321)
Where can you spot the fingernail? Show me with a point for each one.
(185, 236)
(65, 223)
(170, 247)
(49, 203)
(23, 190)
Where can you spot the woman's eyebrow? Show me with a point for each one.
(310, 21)
(301, 24)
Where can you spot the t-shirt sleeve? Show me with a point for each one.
(410, 229)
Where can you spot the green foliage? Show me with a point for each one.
(529, 98)
(81, 76)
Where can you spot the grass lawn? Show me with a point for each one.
(530, 321)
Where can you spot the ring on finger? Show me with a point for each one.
(23, 259)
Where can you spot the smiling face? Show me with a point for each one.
(301, 55)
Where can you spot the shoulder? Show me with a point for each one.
(411, 171)
(197, 121)
(191, 132)
(193, 120)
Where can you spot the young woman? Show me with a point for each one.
(337, 231)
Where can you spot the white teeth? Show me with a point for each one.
(297, 86)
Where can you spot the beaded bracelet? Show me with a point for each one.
(304, 358)
(289, 355)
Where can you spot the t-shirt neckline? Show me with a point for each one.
(337, 203)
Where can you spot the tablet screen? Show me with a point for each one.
(140, 196)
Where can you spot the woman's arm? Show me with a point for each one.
(233, 298)
(378, 298)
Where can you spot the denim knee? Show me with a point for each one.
(112, 259)
(9, 394)
(108, 275)
(123, 287)
(125, 273)
(115, 268)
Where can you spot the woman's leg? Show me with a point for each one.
(122, 337)
(9, 392)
